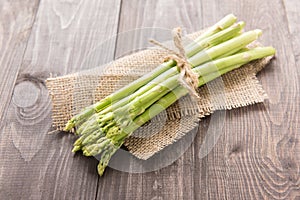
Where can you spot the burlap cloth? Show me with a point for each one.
(71, 93)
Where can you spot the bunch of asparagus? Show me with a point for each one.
(104, 126)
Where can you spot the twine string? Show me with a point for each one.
(187, 77)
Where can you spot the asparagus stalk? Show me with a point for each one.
(208, 42)
(226, 22)
(222, 66)
(104, 126)
(235, 43)
(150, 96)
(146, 96)
(163, 103)
(229, 53)
(215, 39)
(236, 61)
(141, 103)
(119, 94)
(115, 136)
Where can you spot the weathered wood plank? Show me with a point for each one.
(16, 19)
(35, 165)
(175, 181)
(292, 9)
(257, 156)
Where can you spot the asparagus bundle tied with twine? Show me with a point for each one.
(103, 127)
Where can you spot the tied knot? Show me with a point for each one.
(187, 77)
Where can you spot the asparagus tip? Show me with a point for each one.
(78, 142)
(87, 153)
(75, 149)
(70, 124)
(101, 169)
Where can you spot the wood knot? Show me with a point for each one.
(235, 150)
(25, 94)
(30, 98)
(29, 114)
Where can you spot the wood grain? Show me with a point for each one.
(292, 14)
(34, 164)
(16, 19)
(257, 154)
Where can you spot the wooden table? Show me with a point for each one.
(257, 156)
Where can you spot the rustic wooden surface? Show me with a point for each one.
(256, 157)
